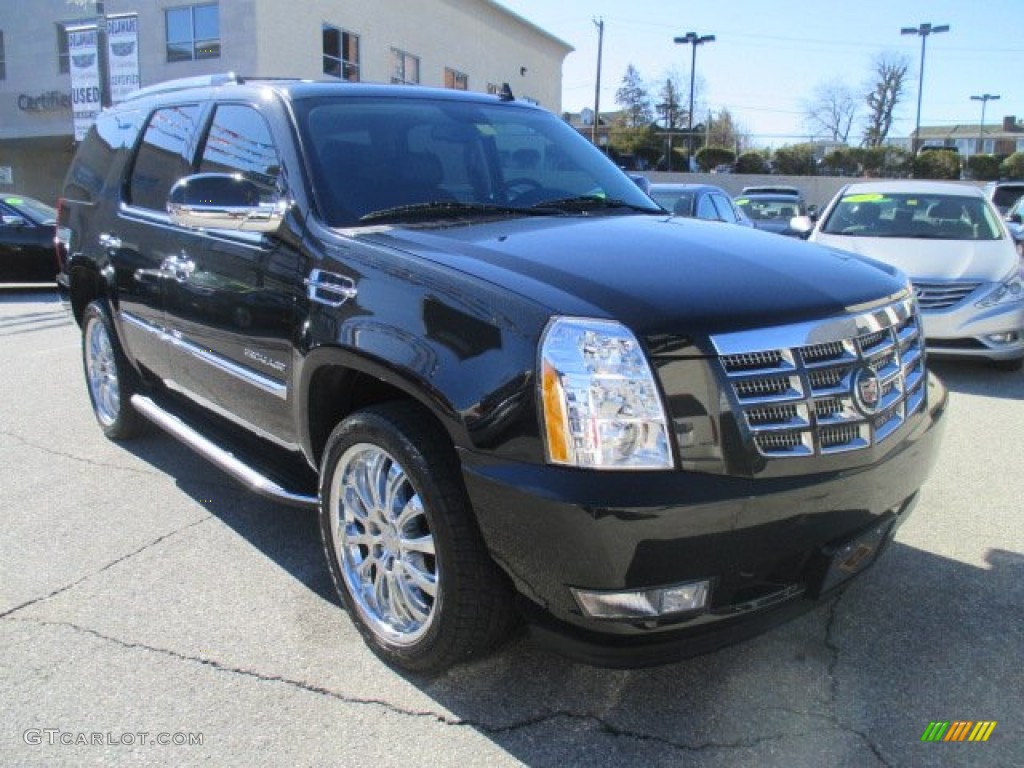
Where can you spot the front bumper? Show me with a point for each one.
(965, 331)
(759, 541)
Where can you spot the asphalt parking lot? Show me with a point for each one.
(152, 612)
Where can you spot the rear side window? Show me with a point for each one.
(162, 157)
(104, 148)
(239, 141)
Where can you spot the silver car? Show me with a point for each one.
(952, 243)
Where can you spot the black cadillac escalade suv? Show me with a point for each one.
(510, 382)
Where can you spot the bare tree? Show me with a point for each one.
(633, 96)
(832, 110)
(886, 92)
(723, 130)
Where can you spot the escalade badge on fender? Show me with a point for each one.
(867, 390)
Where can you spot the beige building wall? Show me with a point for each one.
(476, 37)
(261, 38)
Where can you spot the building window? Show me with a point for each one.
(456, 80)
(3, 58)
(405, 68)
(341, 53)
(193, 32)
(63, 58)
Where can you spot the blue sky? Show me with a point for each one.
(769, 56)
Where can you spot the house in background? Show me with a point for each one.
(968, 138)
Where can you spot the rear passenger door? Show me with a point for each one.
(231, 304)
(141, 243)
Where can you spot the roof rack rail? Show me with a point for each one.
(199, 81)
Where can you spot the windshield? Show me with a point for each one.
(374, 156)
(680, 203)
(765, 207)
(38, 212)
(940, 217)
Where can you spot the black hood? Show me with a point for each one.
(655, 274)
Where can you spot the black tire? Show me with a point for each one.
(109, 378)
(379, 550)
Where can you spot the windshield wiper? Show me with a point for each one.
(589, 202)
(451, 208)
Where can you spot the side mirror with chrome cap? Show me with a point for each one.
(224, 201)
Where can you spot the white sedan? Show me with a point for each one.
(956, 250)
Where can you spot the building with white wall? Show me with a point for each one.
(475, 45)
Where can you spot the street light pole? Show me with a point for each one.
(923, 30)
(599, 23)
(985, 98)
(693, 39)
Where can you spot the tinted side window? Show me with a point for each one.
(725, 212)
(239, 141)
(161, 159)
(706, 209)
(111, 134)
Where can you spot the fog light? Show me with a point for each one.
(1010, 337)
(644, 603)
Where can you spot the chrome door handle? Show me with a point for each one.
(178, 268)
(108, 240)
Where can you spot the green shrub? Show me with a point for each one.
(937, 164)
(1013, 166)
(984, 167)
(709, 157)
(751, 162)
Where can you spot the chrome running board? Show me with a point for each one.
(223, 459)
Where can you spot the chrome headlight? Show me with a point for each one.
(1011, 289)
(599, 403)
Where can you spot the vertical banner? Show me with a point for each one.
(123, 44)
(122, 66)
(85, 78)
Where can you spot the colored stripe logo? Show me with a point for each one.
(958, 730)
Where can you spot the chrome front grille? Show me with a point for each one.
(828, 387)
(942, 295)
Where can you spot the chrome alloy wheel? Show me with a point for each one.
(382, 536)
(101, 370)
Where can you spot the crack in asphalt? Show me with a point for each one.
(834, 653)
(493, 730)
(60, 590)
(82, 459)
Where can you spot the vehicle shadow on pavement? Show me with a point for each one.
(853, 683)
(919, 637)
(288, 536)
(979, 378)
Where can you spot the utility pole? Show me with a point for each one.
(102, 58)
(599, 23)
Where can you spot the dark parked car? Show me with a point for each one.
(773, 212)
(1015, 223)
(1004, 194)
(698, 201)
(27, 229)
(509, 389)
